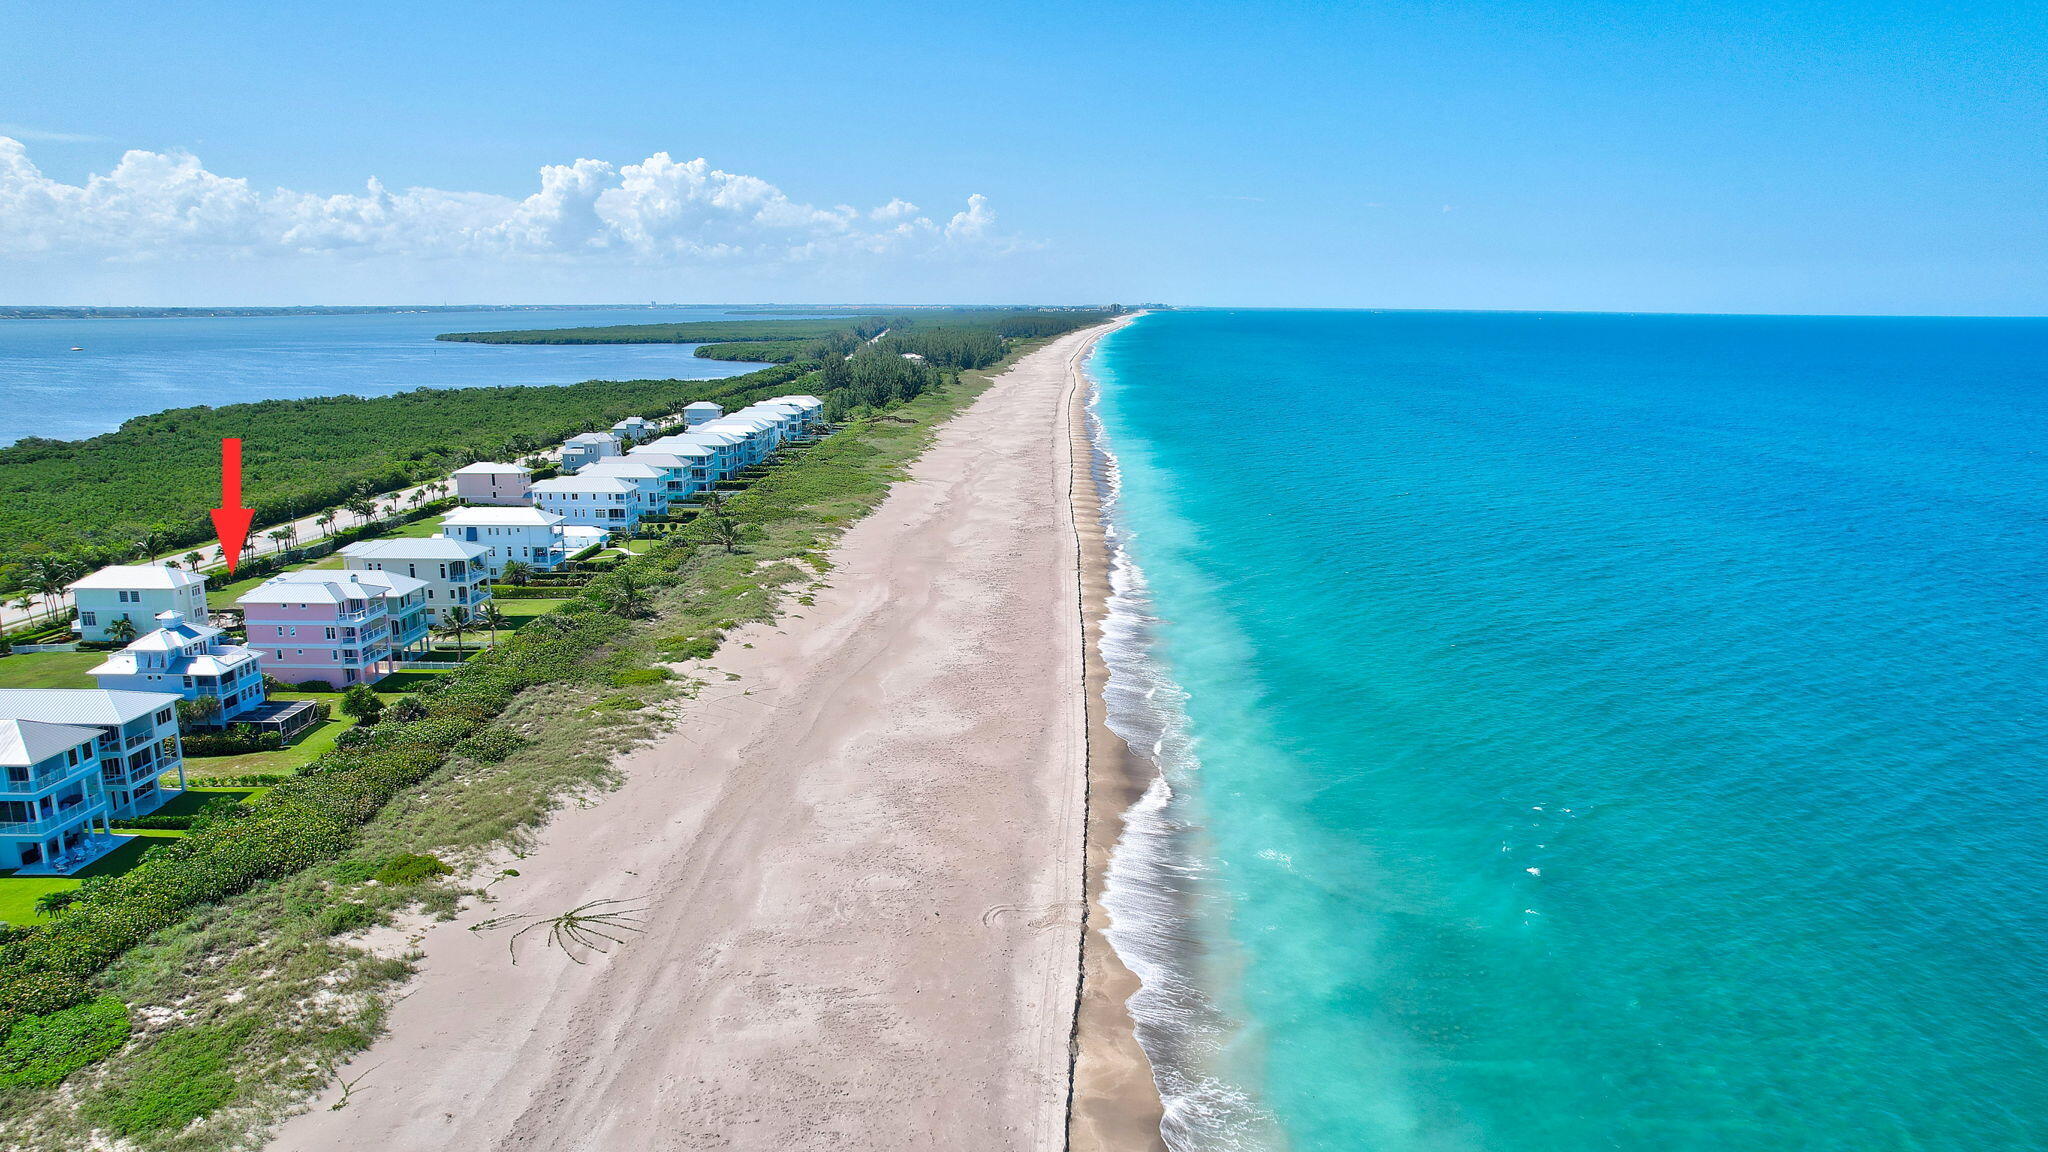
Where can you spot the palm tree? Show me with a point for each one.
(149, 543)
(278, 538)
(516, 572)
(455, 620)
(194, 559)
(50, 576)
(362, 507)
(122, 630)
(491, 618)
(326, 521)
(628, 598)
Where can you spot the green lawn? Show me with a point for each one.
(402, 682)
(519, 613)
(286, 760)
(49, 669)
(18, 894)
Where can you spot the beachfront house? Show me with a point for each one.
(54, 817)
(650, 478)
(335, 627)
(534, 537)
(136, 593)
(189, 660)
(757, 435)
(606, 502)
(810, 412)
(488, 483)
(724, 447)
(135, 744)
(590, 446)
(456, 573)
(638, 429)
(687, 465)
(702, 412)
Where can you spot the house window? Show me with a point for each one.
(88, 619)
(330, 634)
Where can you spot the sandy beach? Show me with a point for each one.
(861, 866)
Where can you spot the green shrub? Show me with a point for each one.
(411, 868)
(690, 647)
(40, 1051)
(635, 677)
(172, 1082)
(346, 917)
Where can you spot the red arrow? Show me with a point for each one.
(231, 520)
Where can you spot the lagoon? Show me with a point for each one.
(131, 367)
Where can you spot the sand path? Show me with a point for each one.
(861, 865)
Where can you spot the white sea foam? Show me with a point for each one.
(1155, 872)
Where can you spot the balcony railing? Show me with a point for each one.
(34, 783)
(56, 821)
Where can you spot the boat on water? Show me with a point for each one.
(77, 348)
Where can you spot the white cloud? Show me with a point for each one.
(156, 207)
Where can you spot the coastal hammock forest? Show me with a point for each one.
(90, 502)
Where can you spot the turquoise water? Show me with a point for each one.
(1586, 732)
(129, 367)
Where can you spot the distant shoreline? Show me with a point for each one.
(89, 312)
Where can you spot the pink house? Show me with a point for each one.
(488, 483)
(337, 627)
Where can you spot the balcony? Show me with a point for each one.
(57, 821)
(36, 783)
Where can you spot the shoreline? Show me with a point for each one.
(1115, 1102)
(863, 852)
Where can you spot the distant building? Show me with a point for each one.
(456, 572)
(580, 450)
(136, 593)
(337, 627)
(634, 428)
(702, 412)
(136, 743)
(189, 661)
(488, 483)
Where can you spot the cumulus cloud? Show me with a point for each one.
(157, 206)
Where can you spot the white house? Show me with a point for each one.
(136, 593)
(532, 536)
(137, 743)
(580, 450)
(650, 478)
(488, 483)
(189, 661)
(702, 412)
(607, 502)
(457, 573)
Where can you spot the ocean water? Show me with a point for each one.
(1585, 732)
(129, 368)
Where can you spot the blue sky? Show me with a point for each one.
(1674, 157)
